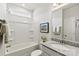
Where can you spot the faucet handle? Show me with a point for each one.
(8, 46)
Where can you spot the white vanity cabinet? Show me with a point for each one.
(49, 52)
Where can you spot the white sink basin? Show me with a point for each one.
(60, 46)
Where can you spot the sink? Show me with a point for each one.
(60, 46)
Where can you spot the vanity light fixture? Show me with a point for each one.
(56, 4)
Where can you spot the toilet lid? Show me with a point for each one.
(36, 53)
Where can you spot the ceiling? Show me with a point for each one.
(32, 6)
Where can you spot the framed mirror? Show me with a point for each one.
(44, 27)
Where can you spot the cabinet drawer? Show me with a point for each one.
(50, 52)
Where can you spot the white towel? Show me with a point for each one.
(8, 32)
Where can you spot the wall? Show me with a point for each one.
(21, 28)
(2, 10)
(42, 15)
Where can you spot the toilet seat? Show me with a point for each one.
(36, 53)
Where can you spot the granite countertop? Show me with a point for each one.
(62, 48)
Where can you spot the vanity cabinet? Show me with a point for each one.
(50, 52)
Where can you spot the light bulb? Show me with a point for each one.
(54, 4)
(23, 5)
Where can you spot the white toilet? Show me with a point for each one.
(37, 53)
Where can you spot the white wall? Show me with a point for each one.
(21, 27)
(2, 10)
(42, 15)
(45, 14)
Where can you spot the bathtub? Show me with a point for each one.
(24, 49)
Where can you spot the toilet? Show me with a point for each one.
(37, 53)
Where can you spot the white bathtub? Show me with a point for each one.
(24, 49)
